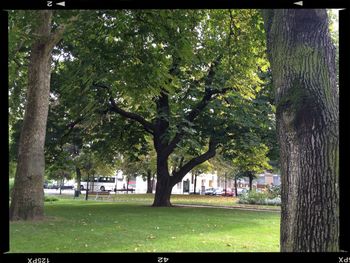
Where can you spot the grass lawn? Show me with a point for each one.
(147, 199)
(95, 226)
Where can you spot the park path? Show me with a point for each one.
(230, 207)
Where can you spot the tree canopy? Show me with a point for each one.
(184, 82)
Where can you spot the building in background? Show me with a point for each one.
(193, 184)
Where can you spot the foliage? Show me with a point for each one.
(170, 52)
(210, 61)
(260, 198)
(274, 191)
(50, 199)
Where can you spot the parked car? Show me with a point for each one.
(209, 191)
(227, 192)
(64, 187)
(218, 191)
(51, 186)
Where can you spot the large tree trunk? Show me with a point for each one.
(163, 192)
(304, 77)
(27, 200)
(164, 184)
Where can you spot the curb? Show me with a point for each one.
(227, 207)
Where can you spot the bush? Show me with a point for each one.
(274, 191)
(50, 199)
(257, 198)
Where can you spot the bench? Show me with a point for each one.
(101, 194)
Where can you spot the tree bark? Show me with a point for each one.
(149, 182)
(303, 67)
(195, 183)
(27, 200)
(164, 184)
(236, 191)
(250, 176)
(78, 173)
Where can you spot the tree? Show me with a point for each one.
(302, 59)
(27, 198)
(251, 161)
(61, 170)
(173, 75)
(192, 92)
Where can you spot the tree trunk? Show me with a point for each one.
(195, 183)
(78, 173)
(149, 182)
(87, 186)
(250, 182)
(303, 67)
(61, 184)
(164, 185)
(127, 185)
(163, 192)
(236, 191)
(27, 202)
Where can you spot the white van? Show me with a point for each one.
(100, 183)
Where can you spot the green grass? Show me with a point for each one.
(184, 199)
(80, 226)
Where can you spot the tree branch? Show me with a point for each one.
(70, 128)
(199, 107)
(56, 36)
(178, 175)
(149, 127)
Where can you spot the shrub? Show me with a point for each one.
(50, 199)
(274, 201)
(257, 198)
(274, 191)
